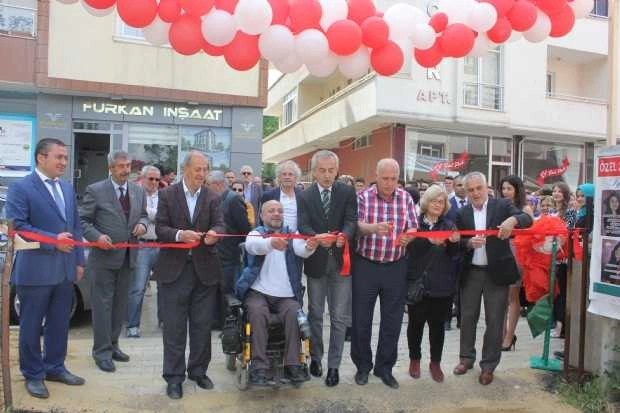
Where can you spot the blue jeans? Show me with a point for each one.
(145, 262)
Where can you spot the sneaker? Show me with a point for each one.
(133, 332)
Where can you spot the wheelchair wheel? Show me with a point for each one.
(231, 362)
(243, 376)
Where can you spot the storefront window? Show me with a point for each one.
(546, 163)
(153, 145)
(213, 142)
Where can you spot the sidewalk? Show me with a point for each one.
(137, 386)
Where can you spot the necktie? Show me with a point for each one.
(325, 199)
(462, 202)
(57, 198)
(124, 200)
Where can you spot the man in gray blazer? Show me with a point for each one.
(113, 210)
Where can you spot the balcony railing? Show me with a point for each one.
(483, 96)
(18, 21)
(573, 98)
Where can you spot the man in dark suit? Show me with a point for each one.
(44, 277)
(252, 190)
(188, 213)
(286, 193)
(325, 208)
(488, 269)
(112, 210)
(458, 201)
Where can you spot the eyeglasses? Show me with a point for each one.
(154, 179)
(246, 173)
(237, 189)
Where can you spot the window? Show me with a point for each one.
(289, 107)
(18, 17)
(540, 156)
(150, 145)
(361, 142)
(550, 83)
(128, 32)
(483, 81)
(600, 8)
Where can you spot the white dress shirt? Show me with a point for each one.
(273, 279)
(117, 190)
(480, 220)
(44, 178)
(289, 205)
(192, 200)
(458, 200)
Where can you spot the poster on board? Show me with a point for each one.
(17, 137)
(605, 257)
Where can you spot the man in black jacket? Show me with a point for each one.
(287, 193)
(327, 208)
(488, 269)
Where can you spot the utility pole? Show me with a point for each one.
(614, 68)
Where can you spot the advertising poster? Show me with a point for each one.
(17, 135)
(605, 258)
(213, 142)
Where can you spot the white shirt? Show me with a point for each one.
(44, 178)
(192, 200)
(273, 279)
(289, 204)
(458, 202)
(480, 220)
(151, 210)
(117, 190)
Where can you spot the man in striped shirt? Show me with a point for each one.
(385, 212)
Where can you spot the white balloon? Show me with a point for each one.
(324, 67)
(333, 10)
(276, 43)
(402, 19)
(581, 8)
(289, 65)
(98, 12)
(355, 65)
(311, 45)
(515, 37)
(457, 10)
(253, 16)
(156, 33)
(482, 44)
(423, 36)
(540, 30)
(68, 1)
(219, 28)
(482, 17)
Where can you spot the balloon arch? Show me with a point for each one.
(350, 36)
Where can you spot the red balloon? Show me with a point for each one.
(360, 10)
(280, 11)
(137, 13)
(429, 57)
(226, 5)
(502, 6)
(186, 35)
(438, 21)
(344, 37)
(562, 23)
(197, 7)
(304, 14)
(100, 4)
(169, 10)
(387, 60)
(242, 53)
(522, 16)
(551, 6)
(501, 31)
(457, 40)
(213, 50)
(375, 32)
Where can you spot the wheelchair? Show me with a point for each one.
(237, 346)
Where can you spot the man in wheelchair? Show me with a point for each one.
(271, 283)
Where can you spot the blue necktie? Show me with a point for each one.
(57, 198)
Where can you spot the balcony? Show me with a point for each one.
(18, 18)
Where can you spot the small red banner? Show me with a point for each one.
(546, 173)
(454, 164)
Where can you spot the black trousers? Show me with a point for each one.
(187, 300)
(431, 310)
(559, 307)
(389, 283)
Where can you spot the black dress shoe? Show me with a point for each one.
(203, 381)
(361, 377)
(66, 378)
(174, 390)
(118, 355)
(332, 378)
(387, 379)
(106, 365)
(294, 373)
(36, 388)
(316, 369)
(258, 377)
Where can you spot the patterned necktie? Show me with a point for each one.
(124, 200)
(462, 202)
(57, 198)
(325, 199)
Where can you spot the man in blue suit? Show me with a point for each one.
(44, 277)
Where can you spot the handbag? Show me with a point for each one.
(417, 292)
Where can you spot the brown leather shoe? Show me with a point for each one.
(461, 369)
(436, 372)
(414, 369)
(486, 377)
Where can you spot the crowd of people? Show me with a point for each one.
(431, 279)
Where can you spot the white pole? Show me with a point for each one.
(614, 42)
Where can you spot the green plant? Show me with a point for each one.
(589, 397)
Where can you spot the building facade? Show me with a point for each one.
(525, 109)
(97, 85)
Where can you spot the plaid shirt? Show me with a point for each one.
(399, 210)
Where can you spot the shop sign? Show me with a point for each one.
(433, 96)
(546, 173)
(166, 111)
